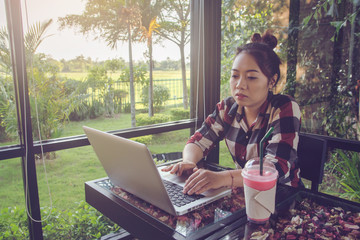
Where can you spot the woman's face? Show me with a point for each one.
(249, 86)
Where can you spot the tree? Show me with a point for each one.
(150, 10)
(49, 101)
(6, 88)
(5, 61)
(175, 27)
(328, 59)
(113, 21)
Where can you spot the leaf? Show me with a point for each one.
(306, 20)
(353, 17)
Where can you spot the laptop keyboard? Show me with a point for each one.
(177, 197)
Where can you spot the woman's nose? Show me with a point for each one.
(241, 83)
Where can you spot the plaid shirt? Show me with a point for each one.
(228, 122)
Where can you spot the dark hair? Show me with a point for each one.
(261, 48)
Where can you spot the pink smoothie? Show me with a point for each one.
(253, 179)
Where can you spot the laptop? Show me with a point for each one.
(130, 166)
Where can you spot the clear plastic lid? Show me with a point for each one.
(252, 169)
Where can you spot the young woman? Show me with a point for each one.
(243, 119)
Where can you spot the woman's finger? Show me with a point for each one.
(167, 168)
(174, 168)
(178, 168)
(191, 181)
(199, 187)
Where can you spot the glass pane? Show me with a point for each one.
(66, 175)
(12, 192)
(327, 66)
(240, 20)
(68, 170)
(323, 73)
(80, 68)
(8, 117)
(319, 48)
(12, 200)
(63, 179)
(167, 142)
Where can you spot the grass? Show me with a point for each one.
(156, 75)
(67, 173)
(120, 121)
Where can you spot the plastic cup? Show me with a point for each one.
(259, 190)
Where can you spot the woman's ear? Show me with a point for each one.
(272, 81)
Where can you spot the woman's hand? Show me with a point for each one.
(202, 180)
(191, 155)
(180, 167)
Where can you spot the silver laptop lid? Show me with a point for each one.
(130, 166)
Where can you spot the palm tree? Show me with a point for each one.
(5, 62)
(147, 34)
(150, 9)
(33, 38)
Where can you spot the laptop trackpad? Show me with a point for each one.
(180, 180)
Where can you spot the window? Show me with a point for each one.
(317, 45)
(239, 21)
(78, 79)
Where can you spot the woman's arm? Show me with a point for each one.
(192, 154)
(282, 147)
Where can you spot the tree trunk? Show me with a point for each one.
(292, 48)
(337, 57)
(131, 71)
(151, 108)
(183, 74)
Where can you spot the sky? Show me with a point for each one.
(67, 44)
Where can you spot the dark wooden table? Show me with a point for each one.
(224, 219)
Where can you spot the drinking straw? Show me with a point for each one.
(262, 149)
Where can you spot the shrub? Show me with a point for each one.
(127, 108)
(160, 95)
(13, 224)
(144, 119)
(81, 113)
(180, 113)
(85, 222)
(347, 171)
(97, 109)
(143, 139)
(119, 96)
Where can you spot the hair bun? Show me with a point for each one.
(256, 37)
(268, 38)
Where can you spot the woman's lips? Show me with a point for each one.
(240, 96)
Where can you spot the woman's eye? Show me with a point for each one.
(252, 78)
(234, 76)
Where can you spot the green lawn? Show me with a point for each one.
(67, 173)
(156, 75)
